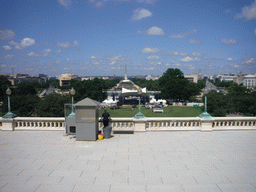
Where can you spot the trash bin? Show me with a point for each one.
(107, 132)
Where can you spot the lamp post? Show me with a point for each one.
(205, 115)
(72, 92)
(139, 115)
(9, 114)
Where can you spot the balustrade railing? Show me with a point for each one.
(225, 123)
(165, 124)
(39, 123)
(120, 124)
(150, 124)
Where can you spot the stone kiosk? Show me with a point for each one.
(87, 115)
(70, 125)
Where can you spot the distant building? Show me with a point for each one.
(15, 79)
(192, 77)
(228, 77)
(66, 78)
(150, 77)
(249, 81)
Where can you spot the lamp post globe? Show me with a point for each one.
(8, 91)
(9, 114)
(139, 115)
(72, 92)
(139, 91)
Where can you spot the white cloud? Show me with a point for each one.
(150, 50)
(16, 45)
(46, 51)
(172, 53)
(75, 43)
(65, 3)
(145, 1)
(191, 67)
(236, 66)
(3, 66)
(177, 36)
(175, 53)
(100, 3)
(67, 59)
(8, 56)
(182, 35)
(32, 54)
(118, 58)
(63, 44)
(231, 41)
(114, 60)
(250, 61)
(7, 47)
(248, 12)
(230, 59)
(140, 13)
(154, 57)
(155, 31)
(196, 54)
(92, 57)
(194, 41)
(6, 34)
(187, 59)
(27, 42)
(58, 51)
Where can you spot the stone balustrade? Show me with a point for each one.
(149, 124)
(119, 124)
(171, 124)
(234, 123)
(34, 123)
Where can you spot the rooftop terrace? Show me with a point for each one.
(148, 161)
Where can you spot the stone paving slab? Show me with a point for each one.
(150, 161)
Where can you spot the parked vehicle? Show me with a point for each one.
(158, 110)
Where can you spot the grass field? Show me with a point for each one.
(171, 111)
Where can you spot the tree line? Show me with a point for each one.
(172, 84)
(25, 101)
(237, 100)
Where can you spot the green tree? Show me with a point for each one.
(216, 104)
(238, 99)
(4, 84)
(52, 105)
(252, 100)
(201, 83)
(173, 85)
(24, 105)
(23, 100)
(25, 88)
(90, 88)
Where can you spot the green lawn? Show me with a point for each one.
(171, 111)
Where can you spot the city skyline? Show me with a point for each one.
(98, 37)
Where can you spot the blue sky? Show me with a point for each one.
(98, 37)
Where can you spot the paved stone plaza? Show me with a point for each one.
(152, 161)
